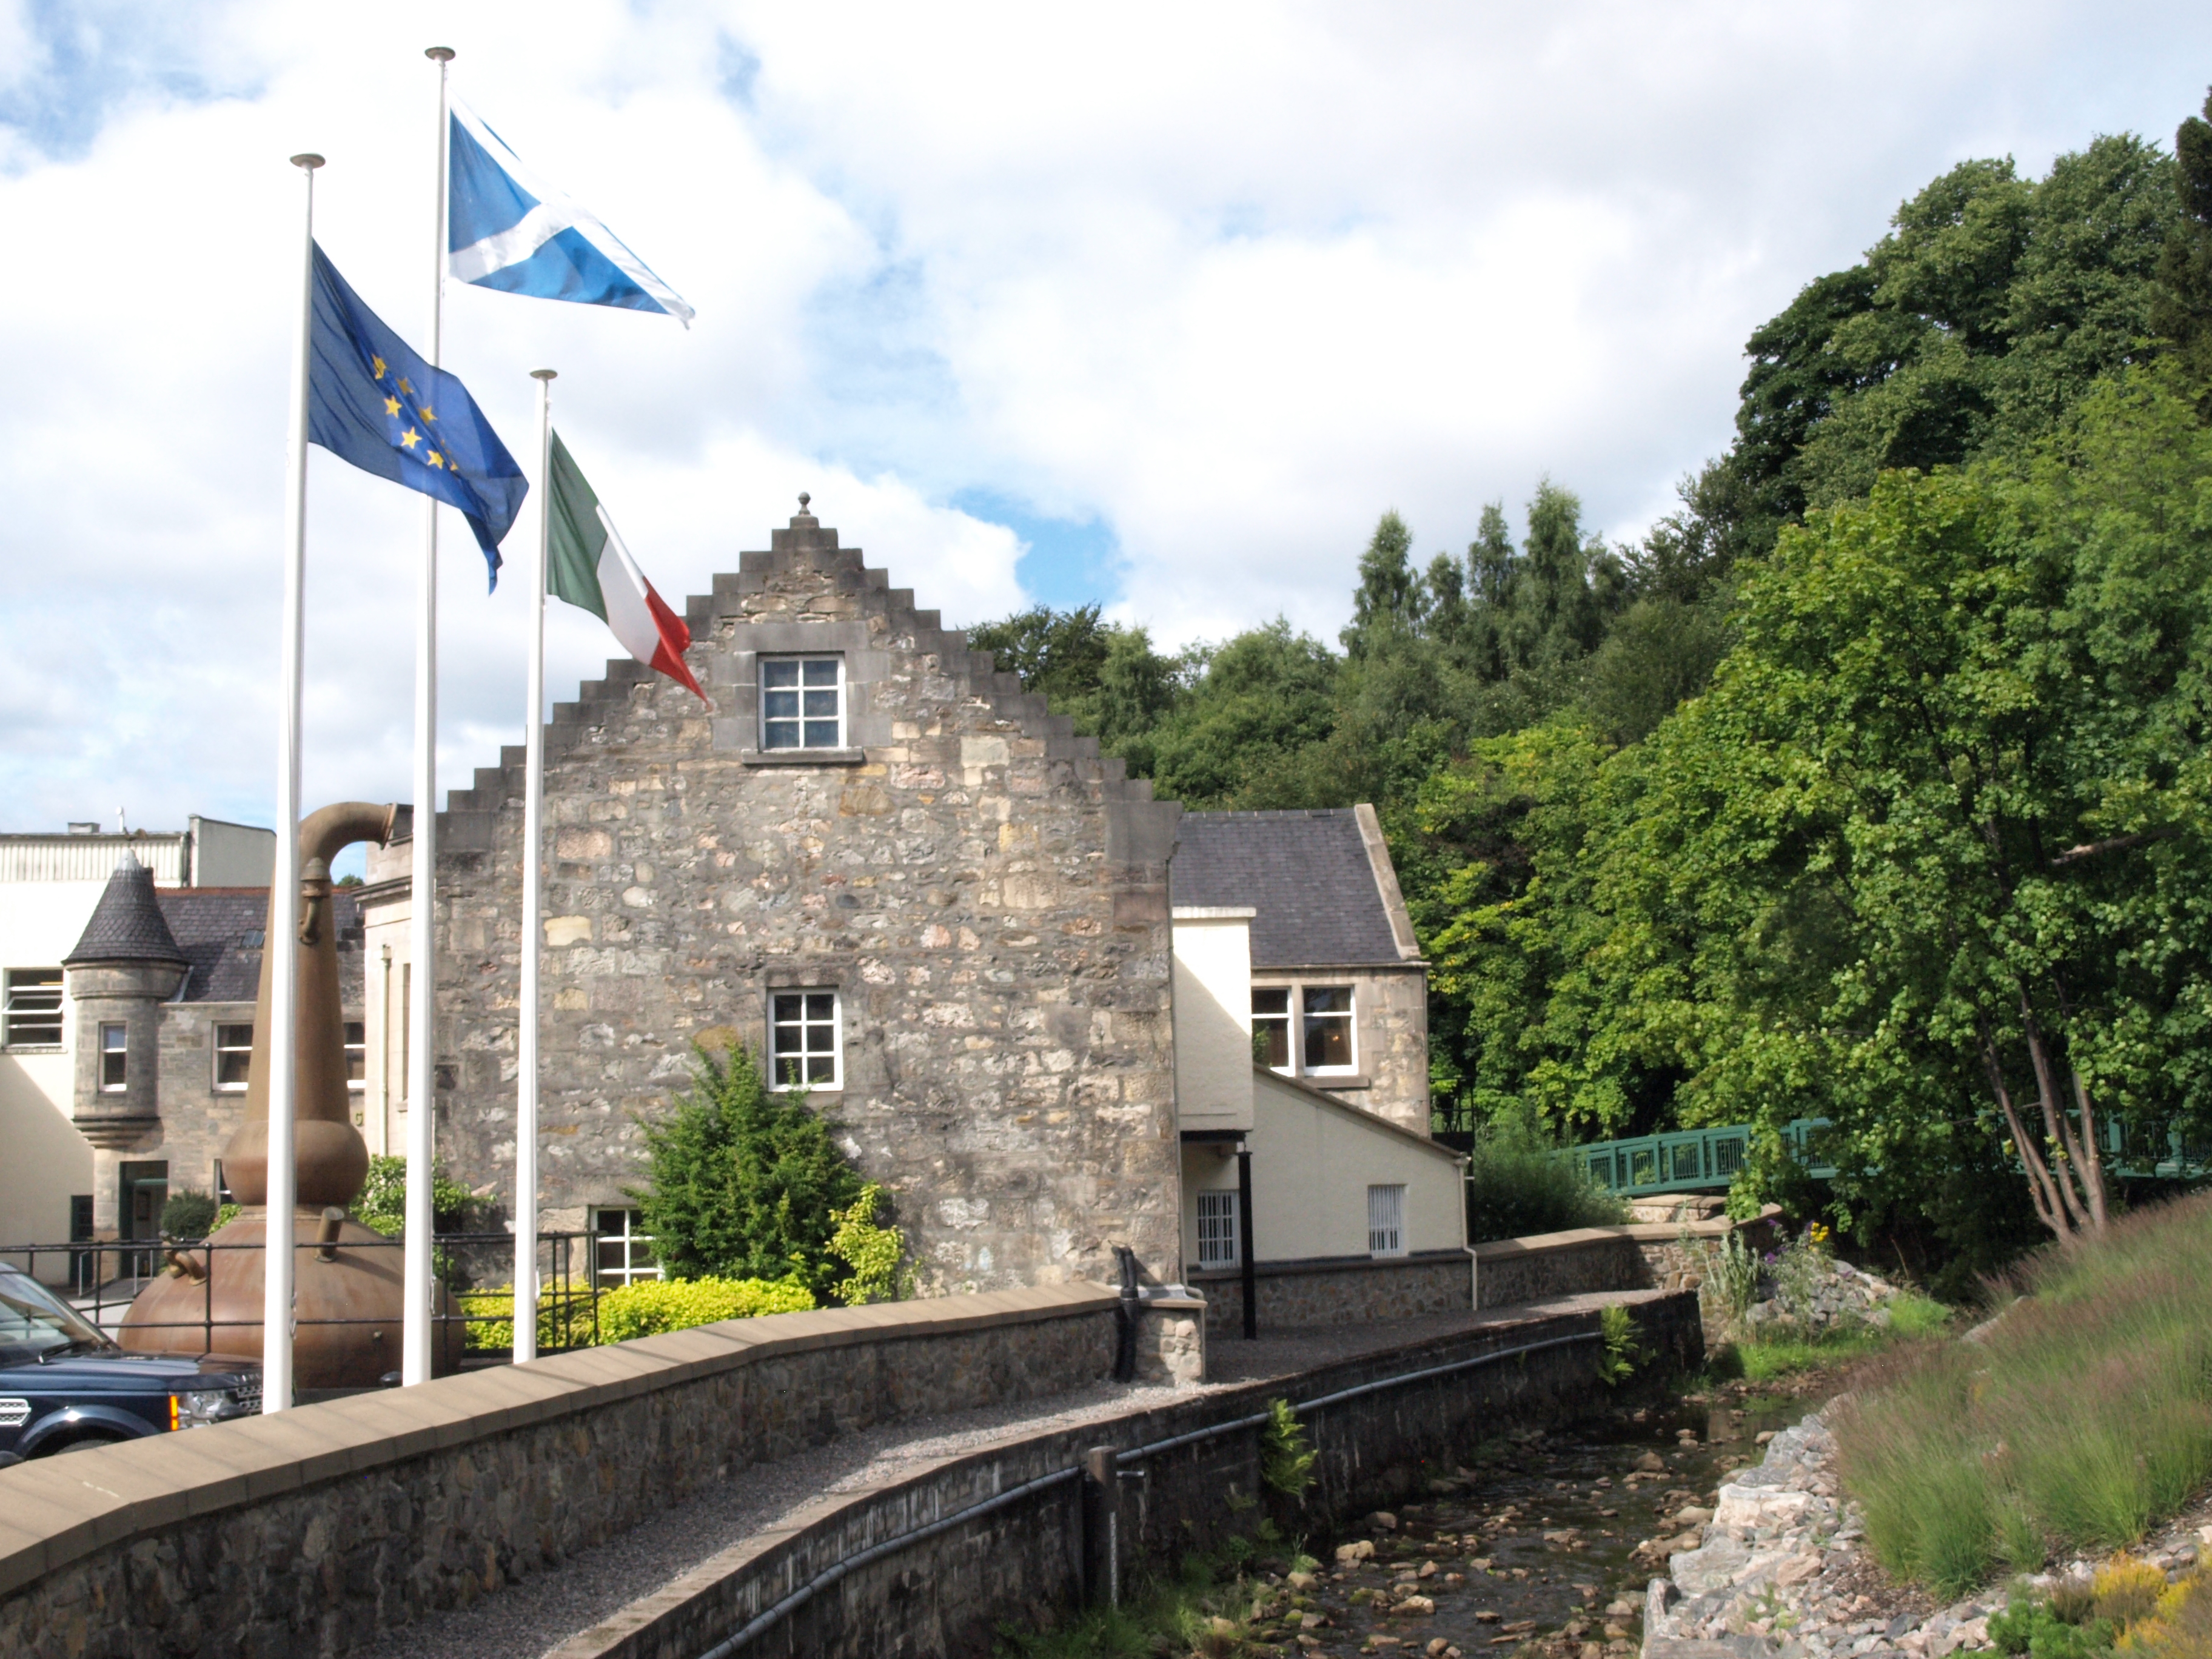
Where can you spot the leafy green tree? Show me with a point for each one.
(745, 1182)
(2181, 307)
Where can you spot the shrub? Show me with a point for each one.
(1734, 1272)
(560, 1324)
(871, 1251)
(2126, 1589)
(188, 1214)
(2083, 1418)
(650, 1306)
(1517, 1184)
(745, 1183)
(382, 1205)
(2180, 1627)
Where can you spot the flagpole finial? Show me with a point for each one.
(307, 162)
(439, 54)
(545, 373)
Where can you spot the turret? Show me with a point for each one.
(126, 965)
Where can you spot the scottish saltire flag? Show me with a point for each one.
(506, 228)
(587, 565)
(373, 402)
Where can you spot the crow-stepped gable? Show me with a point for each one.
(879, 864)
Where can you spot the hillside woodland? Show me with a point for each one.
(1871, 785)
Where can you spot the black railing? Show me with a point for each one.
(102, 1277)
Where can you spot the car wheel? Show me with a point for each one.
(81, 1443)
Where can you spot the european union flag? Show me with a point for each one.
(373, 402)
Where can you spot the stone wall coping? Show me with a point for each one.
(54, 1510)
(1637, 1232)
(1334, 1264)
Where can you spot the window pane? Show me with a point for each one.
(1216, 1229)
(35, 1008)
(821, 734)
(780, 673)
(1275, 1001)
(1328, 998)
(781, 705)
(822, 670)
(819, 1069)
(1328, 1032)
(821, 1004)
(787, 1006)
(821, 705)
(1271, 1044)
(781, 734)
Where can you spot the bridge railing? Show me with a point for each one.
(1686, 1160)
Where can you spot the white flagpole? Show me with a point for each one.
(422, 896)
(284, 873)
(533, 870)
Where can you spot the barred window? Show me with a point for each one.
(35, 1008)
(1216, 1229)
(1386, 1220)
(804, 1039)
(802, 703)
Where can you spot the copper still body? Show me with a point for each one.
(348, 1301)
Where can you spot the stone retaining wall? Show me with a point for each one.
(946, 1595)
(1338, 1291)
(1588, 1259)
(311, 1531)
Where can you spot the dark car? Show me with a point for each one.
(63, 1384)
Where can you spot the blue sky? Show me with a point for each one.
(1156, 308)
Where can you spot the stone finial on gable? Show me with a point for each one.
(805, 535)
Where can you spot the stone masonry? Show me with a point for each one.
(986, 895)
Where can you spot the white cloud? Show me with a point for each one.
(1230, 280)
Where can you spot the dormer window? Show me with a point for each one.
(802, 703)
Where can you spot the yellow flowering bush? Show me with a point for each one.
(653, 1305)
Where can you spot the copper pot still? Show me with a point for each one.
(348, 1298)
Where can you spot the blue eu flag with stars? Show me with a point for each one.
(373, 402)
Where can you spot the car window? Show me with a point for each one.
(32, 1320)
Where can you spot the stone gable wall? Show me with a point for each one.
(988, 896)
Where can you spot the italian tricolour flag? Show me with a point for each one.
(587, 565)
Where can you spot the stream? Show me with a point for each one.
(1537, 1545)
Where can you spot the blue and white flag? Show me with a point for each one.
(506, 228)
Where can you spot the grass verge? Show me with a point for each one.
(2080, 1420)
(1777, 1353)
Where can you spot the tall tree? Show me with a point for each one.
(2181, 309)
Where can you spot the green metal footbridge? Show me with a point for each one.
(1706, 1160)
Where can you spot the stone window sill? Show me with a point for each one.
(802, 756)
(1332, 1080)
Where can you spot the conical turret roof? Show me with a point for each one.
(127, 924)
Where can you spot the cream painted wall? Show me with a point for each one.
(1313, 1160)
(43, 1159)
(1214, 1017)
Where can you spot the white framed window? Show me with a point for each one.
(805, 1039)
(802, 703)
(1325, 1029)
(622, 1250)
(1271, 1026)
(1216, 1229)
(114, 1058)
(35, 1008)
(233, 1055)
(1386, 1220)
(356, 1054)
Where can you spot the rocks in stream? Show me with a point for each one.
(1768, 1580)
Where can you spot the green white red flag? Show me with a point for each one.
(587, 565)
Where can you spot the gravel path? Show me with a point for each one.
(524, 1620)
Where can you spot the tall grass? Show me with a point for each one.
(1516, 1186)
(2080, 1419)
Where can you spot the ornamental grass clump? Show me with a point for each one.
(2080, 1419)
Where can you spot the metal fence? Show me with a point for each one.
(1689, 1159)
(101, 1277)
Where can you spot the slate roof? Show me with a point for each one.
(126, 924)
(1306, 873)
(219, 931)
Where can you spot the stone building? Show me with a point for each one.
(148, 940)
(876, 860)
